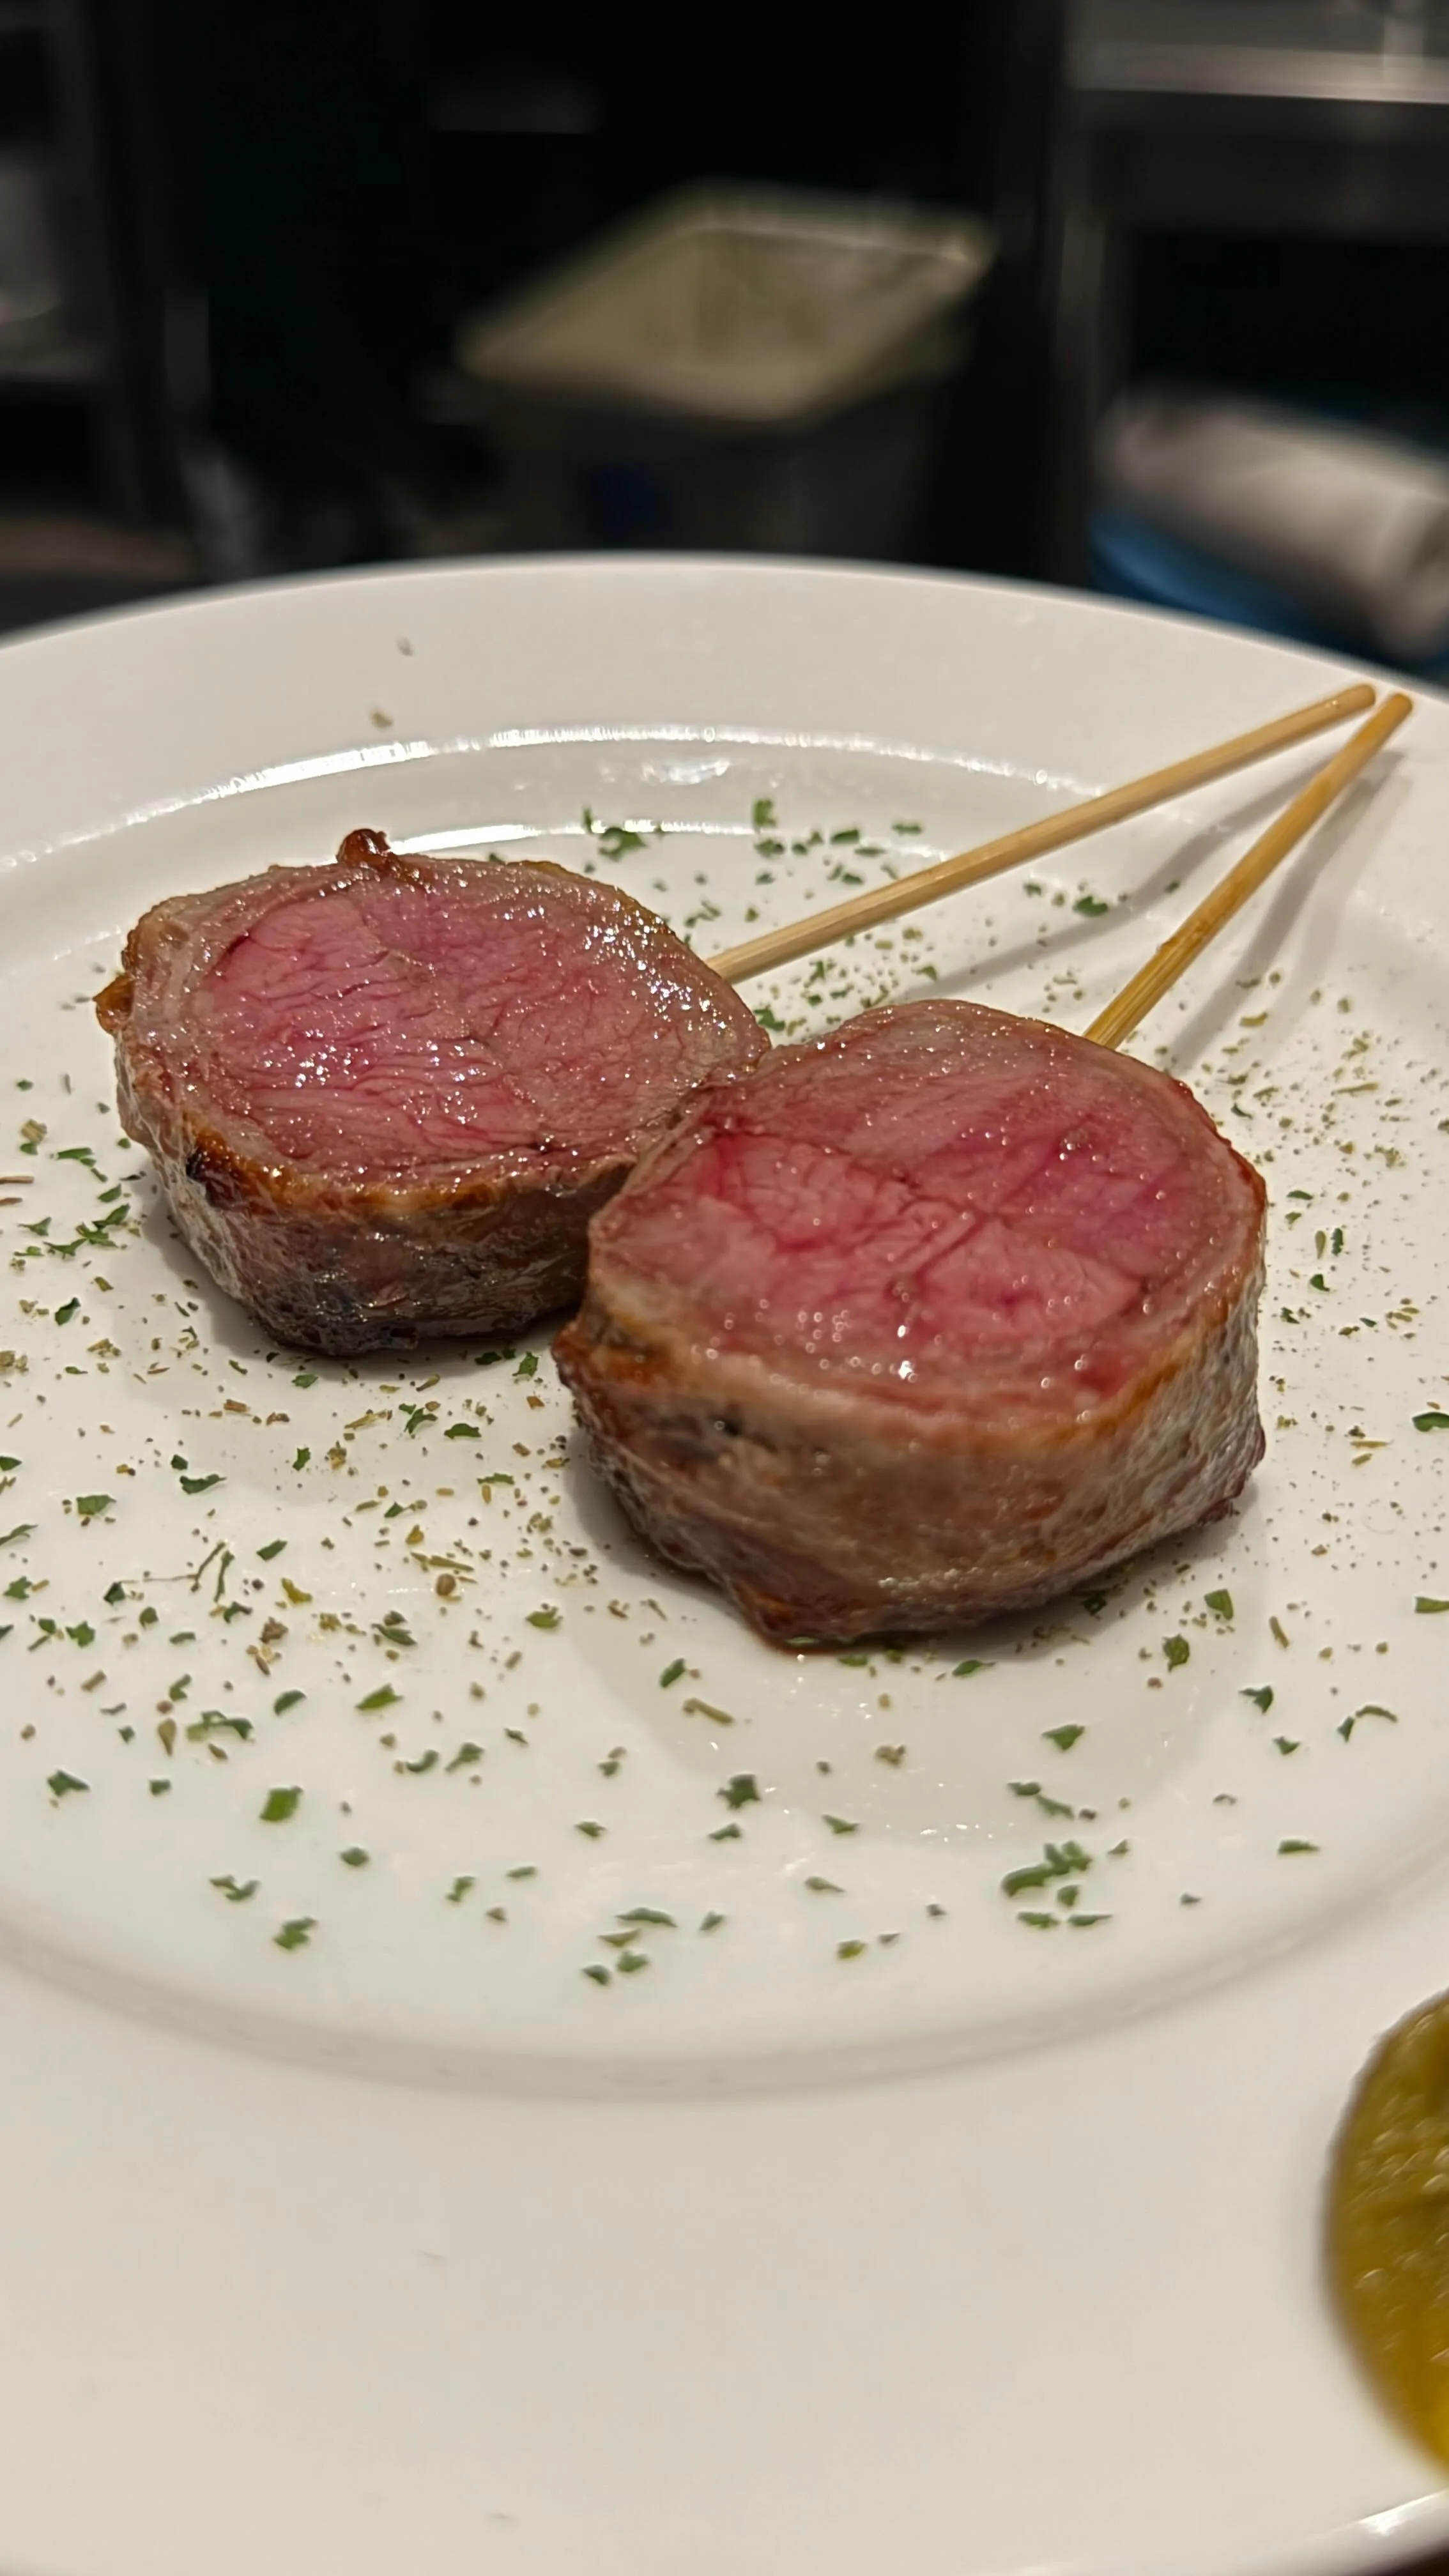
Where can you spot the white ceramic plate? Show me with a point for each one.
(897, 2218)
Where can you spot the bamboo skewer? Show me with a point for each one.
(1121, 1016)
(1033, 840)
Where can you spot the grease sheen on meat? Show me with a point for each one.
(933, 1319)
(386, 1095)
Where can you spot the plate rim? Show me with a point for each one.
(1351, 2546)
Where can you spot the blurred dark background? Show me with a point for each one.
(240, 247)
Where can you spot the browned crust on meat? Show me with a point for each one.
(822, 1539)
(343, 1268)
(113, 1003)
(829, 1513)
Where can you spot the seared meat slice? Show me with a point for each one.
(933, 1319)
(386, 1095)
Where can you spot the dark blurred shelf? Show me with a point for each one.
(505, 106)
(63, 563)
(1298, 122)
(85, 212)
(61, 365)
(37, 543)
(1285, 50)
(449, 399)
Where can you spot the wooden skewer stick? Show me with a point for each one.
(1112, 1026)
(1053, 832)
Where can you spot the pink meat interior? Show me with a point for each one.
(936, 1189)
(379, 1023)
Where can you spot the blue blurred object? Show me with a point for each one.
(1131, 559)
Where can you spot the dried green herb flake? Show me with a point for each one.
(740, 1791)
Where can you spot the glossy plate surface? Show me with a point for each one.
(505, 2070)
